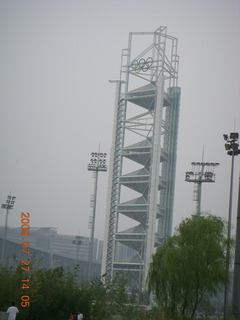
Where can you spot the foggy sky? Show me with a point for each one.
(56, 102)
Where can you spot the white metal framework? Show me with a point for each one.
(143, 155)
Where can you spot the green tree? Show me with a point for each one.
(53, 294)
(10, 288)
(110, 300)
(190, 265)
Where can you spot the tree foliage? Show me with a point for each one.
(111, 300)
(51, 292)
(190, 265)
(10, 289)
(54, 293)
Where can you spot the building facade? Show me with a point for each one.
(48, 249)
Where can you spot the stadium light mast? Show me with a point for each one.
(77, 242)
(231, 146)
(8, 206)
(97, 163)
(236, 276)
(201, 172)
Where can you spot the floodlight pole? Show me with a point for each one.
(236, 276)
(201, 172)
(8, 206)
(97, 163)
(231, 146)
(199, 183)
(77, 241)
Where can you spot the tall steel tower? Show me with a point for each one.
(143, 155)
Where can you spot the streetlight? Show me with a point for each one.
(236, 277)
(77, 241)
(8, 206)
(231, 146)
(97, 163)
(201, 172)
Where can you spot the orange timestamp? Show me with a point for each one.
(25, 261)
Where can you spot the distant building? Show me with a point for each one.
(48, 249)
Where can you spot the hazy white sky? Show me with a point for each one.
(56, 104)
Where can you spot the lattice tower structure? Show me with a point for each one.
(143, 154)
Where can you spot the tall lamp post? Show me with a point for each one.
(231, 146)
(97, 163)
(201, 172)
(8, 206)
(236, 276)
(77, 241)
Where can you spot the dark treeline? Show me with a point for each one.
(187, 276)
(54, 293)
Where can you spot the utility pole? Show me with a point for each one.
(97, 163)
(77, 241)
(236, 276)
(231, 146)
(201, 172)
(8, 206)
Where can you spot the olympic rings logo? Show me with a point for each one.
(141, 65)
